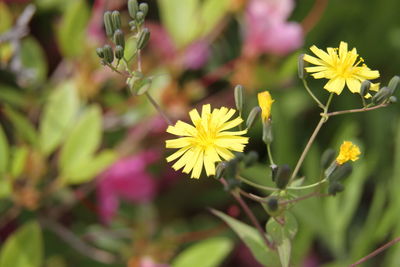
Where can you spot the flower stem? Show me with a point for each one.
(323, 119)
(308, 186)
(158, 108)
(246, 181)
(271, 161)
(356, 110)
(311, 94)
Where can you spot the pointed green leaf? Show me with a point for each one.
(278, 231)
(34, 60)
(58, 116)
(284, 250)
(24, 248)
(23, 127)
(212, 12)
(19, 156)
(4, 152)
(250, 236)
(207, 253)
(82, 141)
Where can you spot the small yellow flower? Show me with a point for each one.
(340, 67)
(348, 151)
(265, 102)
(207, 141)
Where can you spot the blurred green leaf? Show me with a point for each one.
(58, 116)
(23, 127)
(19, 156)
(82, 141)
(6, 17)
(212, 12)
(90, 167)
(12, 96)
(34, 60)
(4, 152)
(72, 30)
(279, 232)
(250, 236)
(207, 253)
(24, 248)
(284, 251)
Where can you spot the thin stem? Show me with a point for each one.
(139, 61)
(313, 194)
(251, 196)
(270, 154)
(158, 108)
(356, 110)
(376, 252)
(307, 186)
(323, 119)
(246, 181)
(117, 71)
(312, 95)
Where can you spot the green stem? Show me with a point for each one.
(312, 95)
(270, 154)
(307, 186)
(246, 181)
(158, 108)
(356, 110)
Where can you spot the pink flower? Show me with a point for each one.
(194, 56)
(267, 30)
(126, 179)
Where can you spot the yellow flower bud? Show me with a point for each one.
(348, 151)
(265, 102)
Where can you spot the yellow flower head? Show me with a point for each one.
(340, 67)
(348, 151)
(207, 141)
(265, 102)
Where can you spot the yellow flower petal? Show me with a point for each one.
(335, 85)
(348, 151)
(265, 102)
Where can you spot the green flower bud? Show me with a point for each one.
(108, 54)
(116, 19)
(220, 170)
(254, 114)
(393, 99)
(133, 8)
(132, 25)
(119, 52)
(300, 66)
(250, 159)
(327, 158)
(383, 94)
(239, 97)
(272, 204)
(341, 172)
(393, 84)
(283, 176)
(100, 52)
(144, 7)
(365, 85)
(267, 136)
(334, 188)
(143, 38)
(108, 23)
(119, 38)
(140, 16)
(231, 169)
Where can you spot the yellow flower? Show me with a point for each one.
(348, 151)
(265, 102)
(207, 141)
(340, 67)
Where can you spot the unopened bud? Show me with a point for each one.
(272, 204)
(119, 38)
(220, 170)
(119, 52)
(132, 25)
(143, 38)
(254, 114)
(393, 99)
(327, 158)
(100, 52)
(283, 176)
(133, 8)
(108, 23)
(239, 94)
(231, 169)
(334, 188)
(116, 19)
(139, 16)
(267, 135)
(300, 66)
(383, 94)
(341, 172)
(144, 7)
(108, 54)
(365, 85)
(393, 84)
(250, 159)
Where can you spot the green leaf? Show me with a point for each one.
(207, 253)
(212, 12)
(250, 236)
(82, 141)
(284, 250)
(6, 18)
(58, 116)
(19, 157)
(23, 127)
(72, 30)
(4, 152)
(90, 168)
(34, 60)
(12, 96)
(24, 248)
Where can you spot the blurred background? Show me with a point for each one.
(83, 176)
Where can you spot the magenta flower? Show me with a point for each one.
(266, 28)
(127, 179)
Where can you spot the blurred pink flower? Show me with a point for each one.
(194, 56)
(126, 179)
(266, 28)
